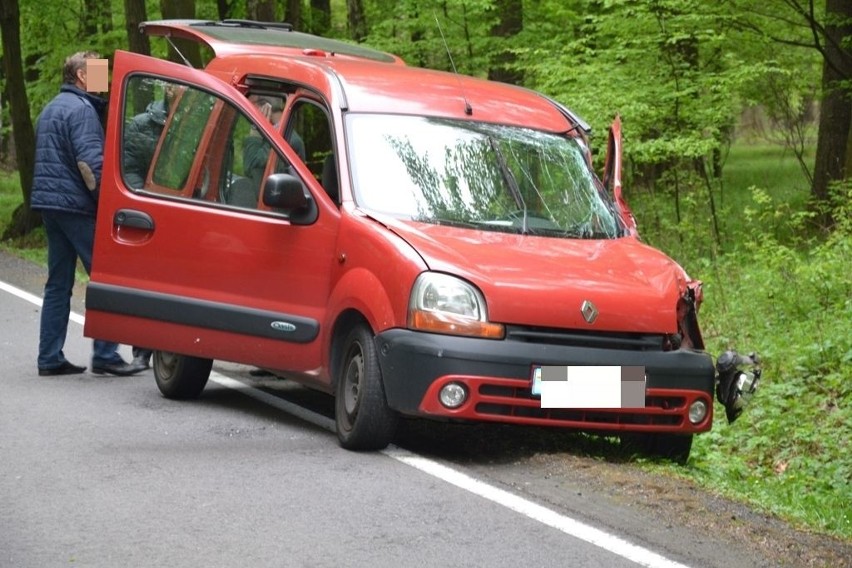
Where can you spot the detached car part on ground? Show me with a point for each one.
(413, 242)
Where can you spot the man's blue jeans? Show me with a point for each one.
(69, 236)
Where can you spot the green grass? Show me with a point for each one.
(769, 286)
(776, 287)
(33, 247)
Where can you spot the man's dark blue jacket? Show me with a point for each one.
(68, 131)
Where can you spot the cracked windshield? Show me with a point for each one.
(477, 175)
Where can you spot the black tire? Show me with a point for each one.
(674, 447)
(180, 376)
(362, 415)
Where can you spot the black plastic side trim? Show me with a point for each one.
(193, 312)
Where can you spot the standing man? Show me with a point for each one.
(68, 160)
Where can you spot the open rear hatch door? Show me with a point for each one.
(228, 37)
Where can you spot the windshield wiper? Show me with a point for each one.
(514, 189)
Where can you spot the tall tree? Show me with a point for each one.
(320, 17)
(510, 22)
(224, 8)
(357, 20)
(836, 112)
(134, 14)
(23, 218)
(261, 10)
(182, 9)
(293, 13)
(827, 29)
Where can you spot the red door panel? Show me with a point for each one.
(184, 271)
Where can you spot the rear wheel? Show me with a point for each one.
(364, 419)
(180, 376)
(675, 447)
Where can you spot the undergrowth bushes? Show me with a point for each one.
(788, 296)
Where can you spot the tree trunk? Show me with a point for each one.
(135, 14)
(510, 14)
(293, 14)
(224, 8)
(356, 19)
(835, 117)
(320, 23)
(182, 10)
(23, 219)
(261, 10)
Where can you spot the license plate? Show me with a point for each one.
(589, 386)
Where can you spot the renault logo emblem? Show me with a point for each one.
(589, 311)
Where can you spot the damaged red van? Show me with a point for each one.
(413, 242)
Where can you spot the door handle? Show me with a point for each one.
(133, 218)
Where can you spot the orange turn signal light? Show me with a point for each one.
(441, 322)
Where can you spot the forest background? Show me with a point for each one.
(738, 139)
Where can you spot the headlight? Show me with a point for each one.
(441, 303)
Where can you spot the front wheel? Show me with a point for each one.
(180, 376)
(362, 415)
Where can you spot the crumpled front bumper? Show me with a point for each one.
(497, 376)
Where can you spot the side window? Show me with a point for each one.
(243, 182)
(186, 126)
(184, 142)
(162, 119)
(308, 132)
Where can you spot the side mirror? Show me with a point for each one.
(287, 193)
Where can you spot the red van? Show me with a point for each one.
(412, 242)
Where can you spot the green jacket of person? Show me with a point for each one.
(140, 140)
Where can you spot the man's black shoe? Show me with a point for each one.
(120, 368)
(65, 368)
(142, 361)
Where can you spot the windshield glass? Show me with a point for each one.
(477, 175)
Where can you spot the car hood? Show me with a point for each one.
(544, 281)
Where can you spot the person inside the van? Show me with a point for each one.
(256, 149)
(141, 136)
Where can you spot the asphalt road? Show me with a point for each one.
(103, 471)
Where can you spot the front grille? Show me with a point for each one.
(580, 418)
(592, 339)
(501, 401)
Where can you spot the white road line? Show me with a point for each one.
(569, 526)
(24, 295)
(529, 509)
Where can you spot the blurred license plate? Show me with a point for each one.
(590, 386)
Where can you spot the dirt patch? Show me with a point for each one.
(687, 505)
(588, 477)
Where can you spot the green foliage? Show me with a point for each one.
(785, 291)
(413, 30)
(680, 73)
